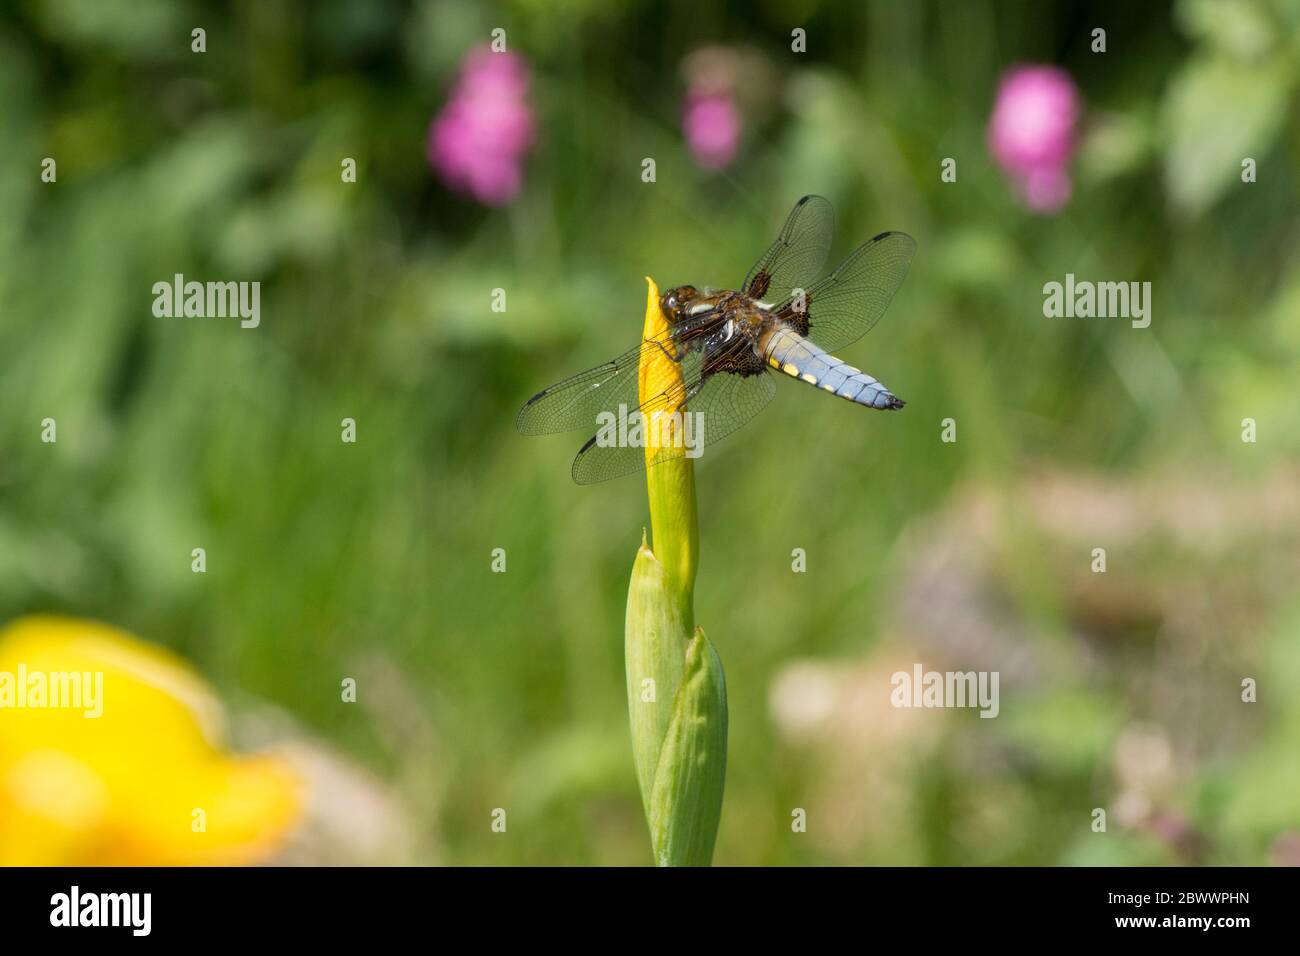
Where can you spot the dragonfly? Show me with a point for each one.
(730, 345)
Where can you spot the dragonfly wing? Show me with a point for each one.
(713, 405)
(841, 308)
(797, 256)
(575, 402)
(728, 400)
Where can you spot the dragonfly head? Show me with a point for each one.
(677, 302)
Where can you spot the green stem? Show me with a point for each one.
(676, 691)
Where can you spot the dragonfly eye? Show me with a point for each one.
(678, 297)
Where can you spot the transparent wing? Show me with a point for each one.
(713, 405)
(841, 308)
(797, 256)
(575, 402)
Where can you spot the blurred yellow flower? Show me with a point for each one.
(147, 781)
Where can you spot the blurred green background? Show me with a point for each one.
(372, 560)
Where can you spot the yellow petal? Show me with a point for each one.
(674, 522)
(123, 787)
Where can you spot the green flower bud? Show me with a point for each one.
(676, 692)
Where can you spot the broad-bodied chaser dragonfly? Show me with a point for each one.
(727, 342)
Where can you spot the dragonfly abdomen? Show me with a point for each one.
(791, 353)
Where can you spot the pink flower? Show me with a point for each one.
(477, 143)
(1032, 133)
(712, 124)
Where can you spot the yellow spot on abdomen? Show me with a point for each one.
(811, 379)
(790, 370)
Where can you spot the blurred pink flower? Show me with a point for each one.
(477, 143)
(1032, 133)
(712, 124)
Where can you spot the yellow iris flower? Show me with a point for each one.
(147, 781)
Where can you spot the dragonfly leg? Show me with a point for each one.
(669, 355)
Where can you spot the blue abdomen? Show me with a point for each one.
(791, 353)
